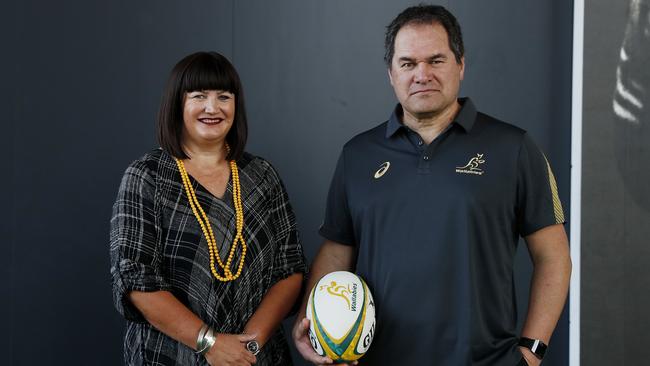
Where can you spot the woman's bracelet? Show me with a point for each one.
(205, 340)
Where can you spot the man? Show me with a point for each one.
(428, 208)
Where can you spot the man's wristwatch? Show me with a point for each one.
(537, 347)
(253, 347)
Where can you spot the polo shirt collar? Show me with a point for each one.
(467, 114)
(465, 117)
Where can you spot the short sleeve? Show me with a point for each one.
(337, 225)
(289, 257)
(538, 202)
(134, 243)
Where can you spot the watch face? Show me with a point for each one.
(253, 347)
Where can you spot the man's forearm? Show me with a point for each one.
(549, 251)
(548, 292)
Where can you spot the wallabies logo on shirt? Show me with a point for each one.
(472, 166)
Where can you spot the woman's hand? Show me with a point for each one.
(230, 350)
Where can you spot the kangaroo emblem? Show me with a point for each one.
(337, 290)
(472, 166)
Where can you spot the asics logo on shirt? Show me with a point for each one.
(383, 168)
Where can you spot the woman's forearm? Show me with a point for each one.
(275, 306)
(163, 310)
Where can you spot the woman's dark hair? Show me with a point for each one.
(425, 14)
(200, 71)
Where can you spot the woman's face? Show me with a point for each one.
(207, 116)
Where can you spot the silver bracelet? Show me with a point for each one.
(205, 339)
(200, 342)
(210, 338)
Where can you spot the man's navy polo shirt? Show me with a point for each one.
(436, 228)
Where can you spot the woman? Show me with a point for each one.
(206, 260)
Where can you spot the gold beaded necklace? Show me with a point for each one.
(202, 218)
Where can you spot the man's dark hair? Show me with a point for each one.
(425, 14)
(200, 71)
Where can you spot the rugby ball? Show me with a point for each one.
(341, 315)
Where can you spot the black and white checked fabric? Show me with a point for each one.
(156, 243)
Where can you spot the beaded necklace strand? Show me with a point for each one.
(202, 218)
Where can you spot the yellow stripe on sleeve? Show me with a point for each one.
(557, 205)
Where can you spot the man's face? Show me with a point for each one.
(424, 72)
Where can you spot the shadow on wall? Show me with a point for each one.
(630, 105)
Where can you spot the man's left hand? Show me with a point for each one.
(530, 357)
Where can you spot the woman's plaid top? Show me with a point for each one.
(156, 244)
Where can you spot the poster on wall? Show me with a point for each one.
(616, 183)
(630, 105)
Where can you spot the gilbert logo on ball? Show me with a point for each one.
(341, 312)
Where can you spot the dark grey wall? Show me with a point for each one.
(89, 77)
(616, 189)
(8, 37)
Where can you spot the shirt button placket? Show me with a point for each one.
(425, 162)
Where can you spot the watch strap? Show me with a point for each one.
(537, 347)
